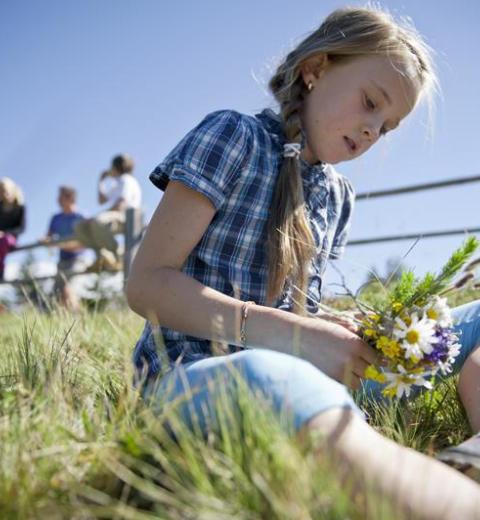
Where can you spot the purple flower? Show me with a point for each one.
(445, 338)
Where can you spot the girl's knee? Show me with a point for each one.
(467, 327)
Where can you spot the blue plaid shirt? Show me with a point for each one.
(234, 160)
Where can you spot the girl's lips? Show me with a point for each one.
(350, 144)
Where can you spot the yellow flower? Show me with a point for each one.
(432, 314)
(391, 391)
(370, 333)
(392, 349)
(397, 306)
(372, 373)
(382, 342)
(389, 347)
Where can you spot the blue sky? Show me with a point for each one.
(84, 80)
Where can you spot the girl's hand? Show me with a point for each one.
(338, 352)
(348, 319)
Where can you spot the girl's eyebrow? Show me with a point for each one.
(383, 91)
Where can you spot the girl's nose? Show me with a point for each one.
(371, 132)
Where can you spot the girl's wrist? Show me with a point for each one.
(281, 330)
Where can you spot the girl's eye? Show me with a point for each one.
(369, 103)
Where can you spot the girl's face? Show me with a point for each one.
(351, 105)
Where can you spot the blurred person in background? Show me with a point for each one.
(99, 232)
(12, 218)
(70, 258)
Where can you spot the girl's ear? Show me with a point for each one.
(312, 69)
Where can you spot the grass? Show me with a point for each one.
(77, 442)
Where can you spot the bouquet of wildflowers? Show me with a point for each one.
(413, 327)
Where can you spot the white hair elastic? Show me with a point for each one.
(292, 150)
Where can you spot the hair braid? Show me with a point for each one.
(290, 244)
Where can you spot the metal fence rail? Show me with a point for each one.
(410, 189)
(417, 187)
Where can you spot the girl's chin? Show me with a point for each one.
(312, 157)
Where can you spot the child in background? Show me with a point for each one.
(12, 218)
(252, 211)
(61, 226)
(99, 232)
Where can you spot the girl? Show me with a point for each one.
(237, 248)
(12, 218)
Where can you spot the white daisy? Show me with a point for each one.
(454, 350)
(416, 338)
(445, 367)
(438, 310)
(402, 381)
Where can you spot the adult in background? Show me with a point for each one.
(99, 232)
(12, 218)
(62, 226)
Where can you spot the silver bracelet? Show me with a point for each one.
(243, 323)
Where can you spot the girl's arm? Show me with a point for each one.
(160, 292)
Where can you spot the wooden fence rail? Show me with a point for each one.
(132, 236)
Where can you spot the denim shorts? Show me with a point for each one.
(295, 389)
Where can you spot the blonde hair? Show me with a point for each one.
(345, 34)
(14, 190)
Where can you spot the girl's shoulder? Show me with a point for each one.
(254, 126)
(227, 121)
(223, 136)
(221, 130)
(213, 156)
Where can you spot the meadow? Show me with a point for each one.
(78, 442)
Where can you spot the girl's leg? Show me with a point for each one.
(469, 389)
(296, 389)
(468, 362)
(417, 484)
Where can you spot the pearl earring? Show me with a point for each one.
(310, 86)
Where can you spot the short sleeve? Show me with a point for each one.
(209, 158)
(114, 193)
(344, 220)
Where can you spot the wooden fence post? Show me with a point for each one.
(133, 234)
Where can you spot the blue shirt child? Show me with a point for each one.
(61, 226)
